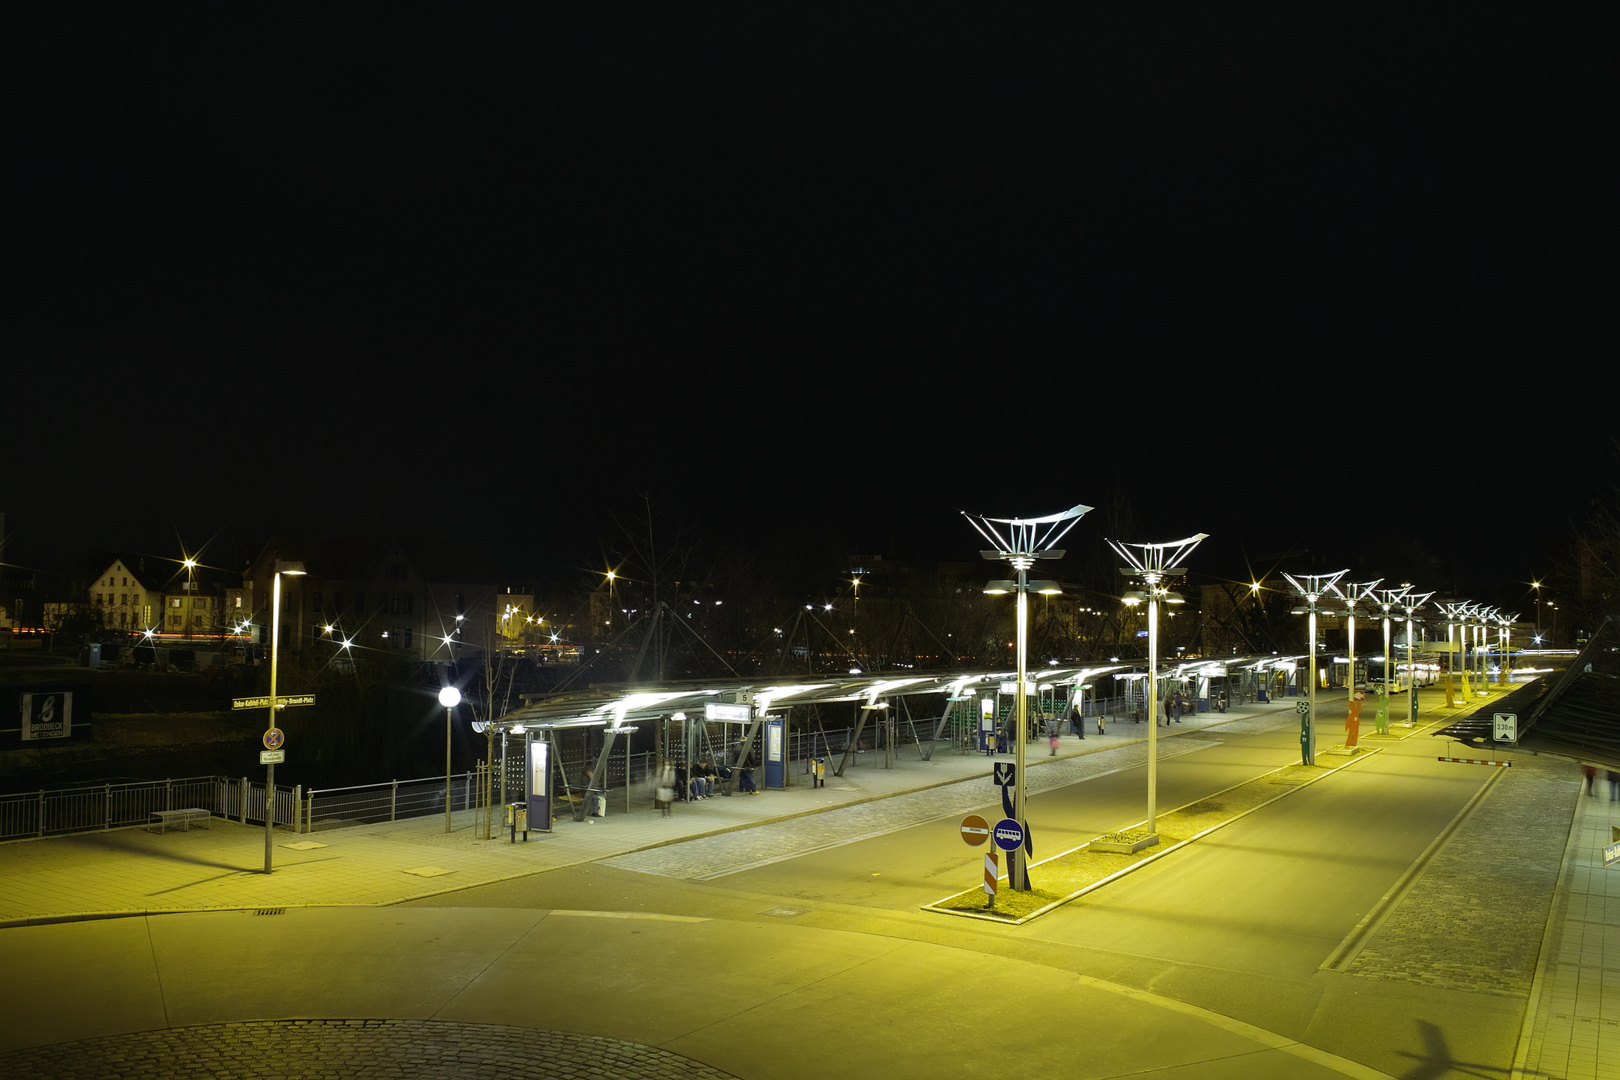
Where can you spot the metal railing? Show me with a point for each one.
(103, 806)
(389, 800)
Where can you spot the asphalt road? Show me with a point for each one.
(1240, 923)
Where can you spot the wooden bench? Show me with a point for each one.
(183, 818)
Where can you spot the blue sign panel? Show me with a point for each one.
(1008, 835)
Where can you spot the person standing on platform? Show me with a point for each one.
(1590, 772)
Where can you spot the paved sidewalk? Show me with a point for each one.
(180, 992)
(1575, 1031)
(132, 871)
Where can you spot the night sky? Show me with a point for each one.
(815, 282)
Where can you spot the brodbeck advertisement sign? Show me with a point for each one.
(47, 715)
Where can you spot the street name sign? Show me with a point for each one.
(975, 830)
(283, 701)
(1009, 835)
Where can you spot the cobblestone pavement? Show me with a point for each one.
(1475, 917)
(405, 1049)
(714, 856)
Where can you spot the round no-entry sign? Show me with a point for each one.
(975, 830)
(1009, 835)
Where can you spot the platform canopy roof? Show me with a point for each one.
(612, 706)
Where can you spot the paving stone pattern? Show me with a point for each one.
(712, 856)
(1577, 1025)
(1474, 920)
(318, 1049)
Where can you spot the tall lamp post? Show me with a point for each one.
(1156, 565)
(190, 616)
(291, 569)
(1504, 637)
(1410, 603)
(1387, 599)
(1483, 617)
(1354, 592)
(1021, 541)
(1312, 588)
(1456, 612)
(449, 697)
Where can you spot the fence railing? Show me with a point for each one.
(102, 806)
(389, 800)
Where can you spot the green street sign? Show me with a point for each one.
(283, 701)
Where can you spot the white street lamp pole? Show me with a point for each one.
(291, 569)
(1021, 541)
(1355, 593)
(1313, 587)
(1154, 564)
(449, 697)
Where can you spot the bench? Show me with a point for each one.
(183, 818)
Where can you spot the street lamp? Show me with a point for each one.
(1456, 612)
(1410, 604)
(1386, 599)
(1021, 542)
(449, 697)
(1312, 588)
(1155, 565)
(1483, 617)
(1504, 637)
(191, 594)
(291, 569)
(1354, 592)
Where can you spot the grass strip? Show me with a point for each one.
(1074, 873)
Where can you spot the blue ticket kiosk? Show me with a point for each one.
(537, 781)
(775, 752)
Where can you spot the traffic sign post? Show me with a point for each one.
(1304, 710)
(1008, 835)
(283, 701)
(975, 830)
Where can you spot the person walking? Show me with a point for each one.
(1590, 772)
(1614, 785)
(666, 788)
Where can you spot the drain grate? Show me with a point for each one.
(270, 911)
